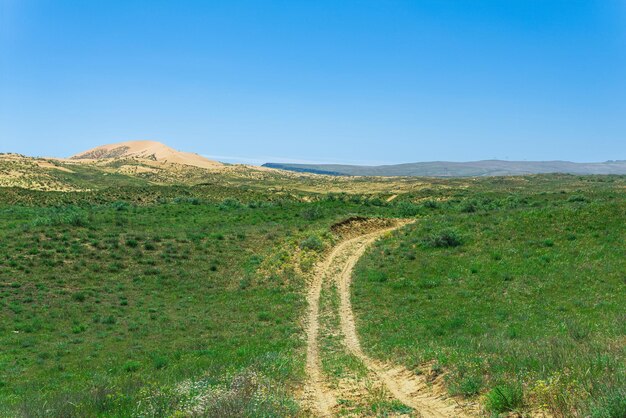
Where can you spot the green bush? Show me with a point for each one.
(230, 203)
(131, 366)
(312, 243)
(264, 316)
(59, 217)
(375, 202)
(613, 405)
(430, 204)
(79, 296)
(77, 329)
(469, 207)
(121, 206)
(312, 213)
(504, 398)
(408, 209)
(159, 362)
(190, 200)
(443, 239)
(577, 198)
(470, 385)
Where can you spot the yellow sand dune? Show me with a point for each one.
(148, 150)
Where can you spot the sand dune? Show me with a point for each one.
(148, 150)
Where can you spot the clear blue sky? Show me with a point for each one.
(320, 80)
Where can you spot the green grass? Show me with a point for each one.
(106, 308)
(336, 362)
(139, 299)
(522, 306)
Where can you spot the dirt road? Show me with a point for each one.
(407, 387)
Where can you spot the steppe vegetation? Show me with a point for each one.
(518, 299)
(145, 299)
(185, 304)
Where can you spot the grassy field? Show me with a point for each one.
(120, 309)
(153, 300)
(518, 299)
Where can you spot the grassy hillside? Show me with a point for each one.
(182, 305)
(149, 300)
(519, 300)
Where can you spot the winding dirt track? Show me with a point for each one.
(407, 387)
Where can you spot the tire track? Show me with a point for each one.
(407, 387)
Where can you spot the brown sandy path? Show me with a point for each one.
(404, 385)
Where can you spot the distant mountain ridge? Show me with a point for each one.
(459, 169)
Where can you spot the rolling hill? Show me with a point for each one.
(459, 169)
(107, 255)
(146, 150)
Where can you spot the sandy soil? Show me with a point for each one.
(413, 390)
(149, 150)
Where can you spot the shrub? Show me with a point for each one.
(577, 198)
(115, 267)
(504, 398)
(244, 283)
(159, 362)
(430, 204)
(230, 203)
(470, 385)
(79, 296)
(469, 207)
(191, 200)
(443, 239)
(62, 217)
(312, 213)
(312, 243)
(375, 202)
(77, 329)
(131, 366)
(377, 276)
(248, 395)
(408, 209)
(75, 219)
(264, 316)
(121, 206)
(612, 405)
(577, 331)
(428, 283)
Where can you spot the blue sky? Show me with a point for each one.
(359, 81)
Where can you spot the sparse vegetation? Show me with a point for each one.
(312, 242)
(520, 299)
(110, 316)
(443, 239)
(507, 398)
(152, 300)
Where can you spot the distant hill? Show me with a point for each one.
(146, 150)
(132, 163)
(456, 169)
